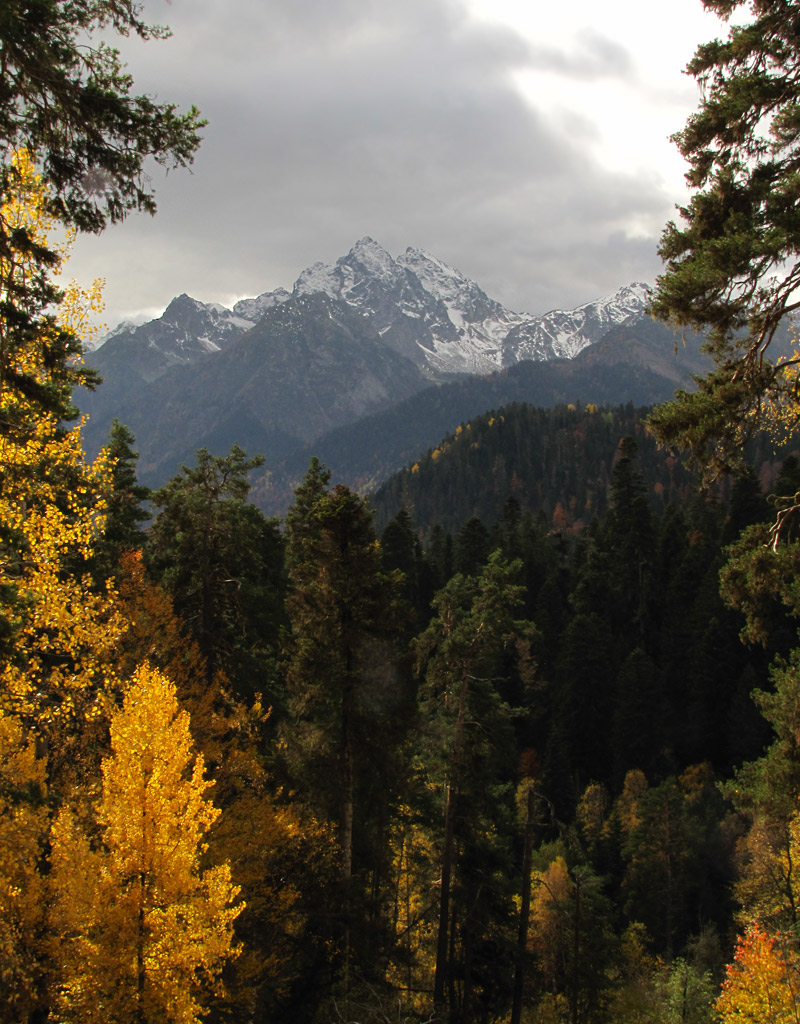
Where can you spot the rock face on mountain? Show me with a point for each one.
(185, 332)
(352, 338)
(438, 318)
(306, 367)
(419, 306)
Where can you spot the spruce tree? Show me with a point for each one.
(67, 101)
(221, 562)
(472, 642)
(347, 700)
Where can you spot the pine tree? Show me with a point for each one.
(221, 562)
(732, 267)
(67, 100)
(469, 727)
(346, 694)
(124, 514)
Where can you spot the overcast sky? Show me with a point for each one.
(526, 143)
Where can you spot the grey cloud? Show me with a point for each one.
(332, 119)
(595, 57)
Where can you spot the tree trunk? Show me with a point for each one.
(524, 913)
(576, 952)
(442, 956)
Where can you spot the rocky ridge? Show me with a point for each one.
(419, 306)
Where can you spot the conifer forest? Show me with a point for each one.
(515, 739)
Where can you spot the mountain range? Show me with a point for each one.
(371, 340)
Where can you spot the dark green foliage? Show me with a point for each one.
(125, 512)
(401, 550)
(554, 462)
(732, 266)
(639, 723)
(629, 535)
(221, 562)
(66, 98)
(472, 547)
(747, 504)
(440, 556)
(672, 853)
(348, 698)
(469, 741)
(581, 697)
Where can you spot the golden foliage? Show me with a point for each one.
(23, 829)
(416, 890)
(550, 907)
(140, 930)
(263, 841)
(51, 504)
(762, 985)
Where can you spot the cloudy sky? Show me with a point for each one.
(523, 141)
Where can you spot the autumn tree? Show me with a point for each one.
(280, 862)
(23, 833)
(59, 629)
(141, 928)
(762, 985)
(571, 939)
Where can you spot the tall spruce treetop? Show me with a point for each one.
(733, 266)
(66, 99)
(221, 562)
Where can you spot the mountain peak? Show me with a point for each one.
(421, 307)
(367, 245)
(183, 306)
(368, 255)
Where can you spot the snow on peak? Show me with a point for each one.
(421, 307)
(371, 255)
(253, 309)
(435, 276)
(319, 277)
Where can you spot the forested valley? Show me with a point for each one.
(520, 767)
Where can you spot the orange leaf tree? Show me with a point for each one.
(762, 985)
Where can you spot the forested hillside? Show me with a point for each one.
(507, 708)
(635, 364)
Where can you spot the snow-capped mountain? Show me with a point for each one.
(350, 341)
(563, 334)
(186, 331)
(420, 307)
(436, 316)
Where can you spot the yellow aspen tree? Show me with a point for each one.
(57, 631)
(274, 855)
(140, 930)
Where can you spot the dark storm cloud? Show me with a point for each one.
(332, 119)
